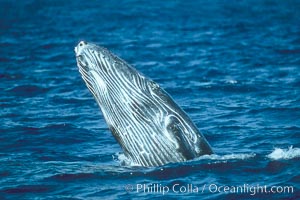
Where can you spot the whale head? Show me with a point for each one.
(104, 73)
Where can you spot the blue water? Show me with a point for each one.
(233, 67)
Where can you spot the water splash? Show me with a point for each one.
(238, 156)
(124, 161)
(285, 154)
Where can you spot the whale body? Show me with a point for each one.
(150, 127)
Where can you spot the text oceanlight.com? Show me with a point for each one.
(208, 188)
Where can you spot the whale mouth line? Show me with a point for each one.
(150, 127)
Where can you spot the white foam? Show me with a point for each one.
(285, 154)
(277, 154)
(124, 161)
(238, 156)
(231, 81)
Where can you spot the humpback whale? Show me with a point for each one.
(150, 127)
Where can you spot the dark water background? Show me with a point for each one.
(234, 67)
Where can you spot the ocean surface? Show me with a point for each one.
(233, 66)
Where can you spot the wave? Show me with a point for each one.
(277, 154)
(28, 90)
(285, 154)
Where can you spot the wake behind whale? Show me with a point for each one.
(149, 126)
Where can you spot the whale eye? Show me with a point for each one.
(82, 43)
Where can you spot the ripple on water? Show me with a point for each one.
(234, 68)
(28, 90)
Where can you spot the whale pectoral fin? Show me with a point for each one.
(177, 131)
